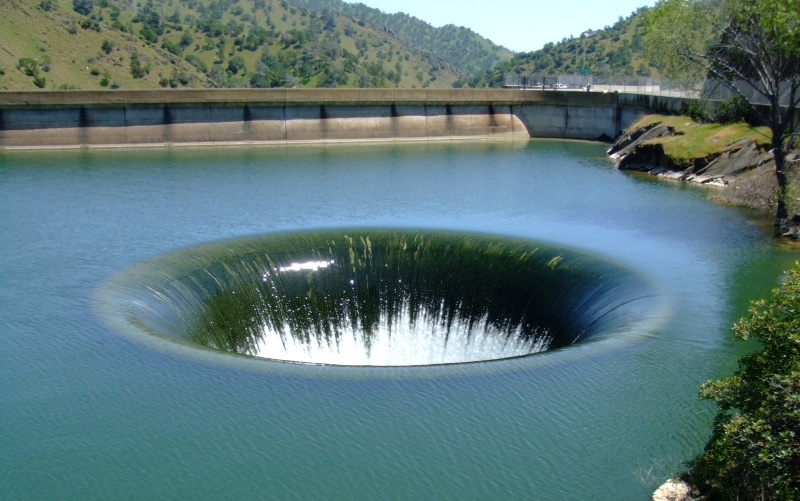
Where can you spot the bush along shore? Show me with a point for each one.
(732, 156)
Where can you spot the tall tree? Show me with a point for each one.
(750, 47)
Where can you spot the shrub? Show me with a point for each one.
(732, 110)
(48, 5)
(197, 62)
(149, 35)
(754, 450)
(172, 47)
(83, 6)
(106, 79)
(107, 46)
(235, 64)
(186, 39)
(137, 70)
(39, 82)
(27, 66)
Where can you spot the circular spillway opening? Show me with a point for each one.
(378, 297)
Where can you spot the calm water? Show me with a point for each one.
(87, 413)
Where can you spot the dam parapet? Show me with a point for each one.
(63, 119)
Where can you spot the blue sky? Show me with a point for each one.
(520, 25)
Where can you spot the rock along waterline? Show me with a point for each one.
(378, 297)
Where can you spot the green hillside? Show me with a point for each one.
(460, 47)
(93, 44)
(614, 50)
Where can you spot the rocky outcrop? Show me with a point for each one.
(673, 490)
(634, 152)
(630, 139)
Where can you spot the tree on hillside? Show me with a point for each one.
(747, 46)
(83, 6)
(754, 450)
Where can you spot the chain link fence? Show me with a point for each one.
(709, 89)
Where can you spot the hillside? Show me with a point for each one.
(202, 43)
(460, 47)
(616, 50)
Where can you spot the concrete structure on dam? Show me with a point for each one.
(64, 119)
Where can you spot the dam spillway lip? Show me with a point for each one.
(475, 288)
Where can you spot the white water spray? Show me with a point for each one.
(425, 341)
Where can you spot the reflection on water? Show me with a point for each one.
(369, 297)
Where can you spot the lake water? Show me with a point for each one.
(90, 413)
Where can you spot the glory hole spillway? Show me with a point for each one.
(380, 297)
(180, 323)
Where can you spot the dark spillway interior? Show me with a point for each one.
(276, 296)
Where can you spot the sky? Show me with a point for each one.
(519, 25)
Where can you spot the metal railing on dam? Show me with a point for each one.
(296, 96)
(255, 116)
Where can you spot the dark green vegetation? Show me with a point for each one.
(226, 295)
(205, 43)
(460, 47)
(754, 451)
(614, 50)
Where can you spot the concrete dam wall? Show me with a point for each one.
(64, 119)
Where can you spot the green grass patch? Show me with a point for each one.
(695, 140)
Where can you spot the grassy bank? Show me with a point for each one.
(742, 165)
(693, 140)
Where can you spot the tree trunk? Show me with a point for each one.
(783, 223)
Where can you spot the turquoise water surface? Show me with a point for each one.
(88, 412)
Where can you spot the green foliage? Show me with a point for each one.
(696, 110)
(137, 70)
(674, 28)
(92, 21)
(172, 47)
(48, 5)
(186, 39)
(149, 35)
(754, 451)
(732, 110)
(460, 47)
(28, 66)
(310, 49)
(611, 51)
(106, 79)
(235, 64)
(197, 62)
(83, 6)
(39, 81)
(726, 111)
